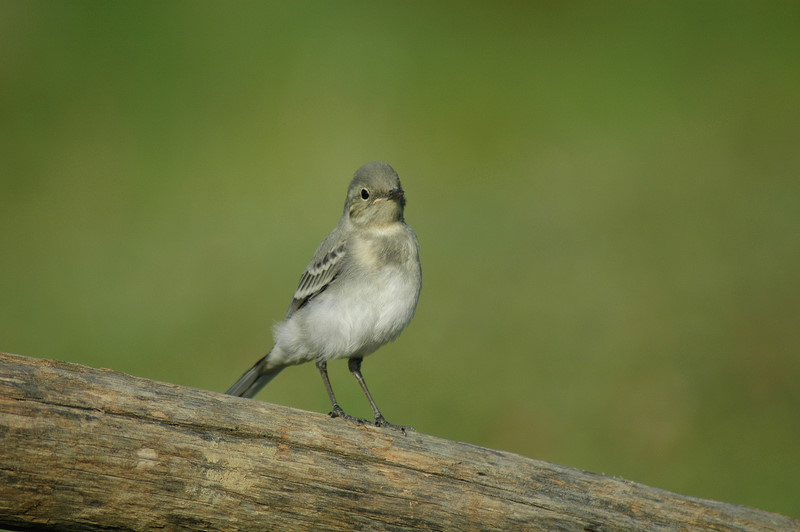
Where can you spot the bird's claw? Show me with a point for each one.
(338, 412)
(380, 421)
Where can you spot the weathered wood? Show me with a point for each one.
(88, 449)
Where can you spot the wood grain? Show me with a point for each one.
(89, 449)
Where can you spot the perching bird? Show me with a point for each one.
(358, 292)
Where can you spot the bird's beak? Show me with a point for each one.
(395, 193)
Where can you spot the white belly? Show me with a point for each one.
(352, 322)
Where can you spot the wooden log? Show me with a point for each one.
(89, 449)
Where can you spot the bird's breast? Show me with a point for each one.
(368, 304)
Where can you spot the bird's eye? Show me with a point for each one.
(364, 193)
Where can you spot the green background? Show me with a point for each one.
(607, 197)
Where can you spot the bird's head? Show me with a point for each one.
(375, 196)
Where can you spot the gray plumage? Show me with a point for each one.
(358, 292)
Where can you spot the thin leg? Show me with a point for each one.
(355, 368)
(336, 410)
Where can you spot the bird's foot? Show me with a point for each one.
(338, 412)
(380, 421)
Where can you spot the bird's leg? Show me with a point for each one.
(355, 368)
(336, 410)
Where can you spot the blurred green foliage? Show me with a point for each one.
(607, 197)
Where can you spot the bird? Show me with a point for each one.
(358, 292)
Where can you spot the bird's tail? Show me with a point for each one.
(255, 378)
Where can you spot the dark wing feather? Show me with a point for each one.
(318, 275)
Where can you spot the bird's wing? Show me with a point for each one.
(318, 275)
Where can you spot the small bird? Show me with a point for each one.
(358, 292)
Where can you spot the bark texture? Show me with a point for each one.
(94, 449)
